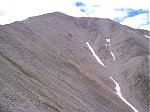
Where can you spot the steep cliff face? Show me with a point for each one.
(46, 65)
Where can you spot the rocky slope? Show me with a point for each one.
(46, 65)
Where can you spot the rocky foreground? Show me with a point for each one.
(46, 65)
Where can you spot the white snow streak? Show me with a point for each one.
(108, 40)
(112, 54)
(120, 95)
(147, 36)
(94, 54)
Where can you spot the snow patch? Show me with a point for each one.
(108, 40)
(147, 36)
(112, 54)
(120, 95)
(94, 54)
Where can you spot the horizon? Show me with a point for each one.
(134, 15)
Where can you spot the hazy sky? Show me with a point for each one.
(133, 13)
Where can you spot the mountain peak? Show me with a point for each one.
(55, 62)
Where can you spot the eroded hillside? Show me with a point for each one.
(46, 65)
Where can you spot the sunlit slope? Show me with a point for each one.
(46, 65)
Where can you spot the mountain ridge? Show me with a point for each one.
(54, 45)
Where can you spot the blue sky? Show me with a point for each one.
(136, 17)
(79, 4)
(133, 13)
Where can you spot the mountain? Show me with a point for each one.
(58, 63)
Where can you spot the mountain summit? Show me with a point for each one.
(58, 63)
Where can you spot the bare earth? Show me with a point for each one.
(46, 65)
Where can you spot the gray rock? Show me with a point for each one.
(46, 66)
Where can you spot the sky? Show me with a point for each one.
(133, 13)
